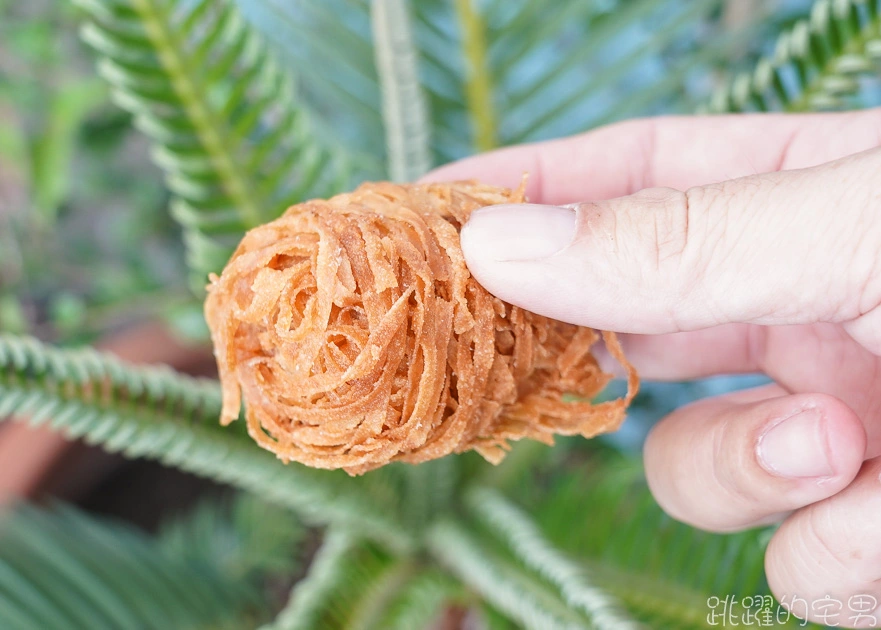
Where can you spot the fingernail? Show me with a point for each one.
(519, 232)
(796, 447)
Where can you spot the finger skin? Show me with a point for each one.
(674, 152)
(683, 355)
(833, 549)
(705, 463)
(820, 358)
(764, 249)
(819, 549)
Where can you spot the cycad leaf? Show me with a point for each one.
(420, 602)
(523, 536)
(244, 537)
(327, 574)
(351, 585)
(601, 70)
(519, 594)
(329, 43)
(816, 63)
(63, 569)
(157, 413)
(404, 111)
(496, 73)
(226, 125)
(629, 530)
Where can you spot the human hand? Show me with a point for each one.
(769, 261)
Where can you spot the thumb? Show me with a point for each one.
(787, 247)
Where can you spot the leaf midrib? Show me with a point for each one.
(169, 44)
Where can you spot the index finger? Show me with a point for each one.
(675, 151)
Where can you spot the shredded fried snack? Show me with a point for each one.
(357, 337)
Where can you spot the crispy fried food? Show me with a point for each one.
(357, 337)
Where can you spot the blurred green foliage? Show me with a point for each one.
(85, 241)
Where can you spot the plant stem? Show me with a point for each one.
(192, 94)
(478, 84)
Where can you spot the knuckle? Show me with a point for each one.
(664, 469)
(684, 233)
(672, 226)
(710, 482)
(732, 462)
(662, 221)
(821, 539)
(865, 262)
(816, 533)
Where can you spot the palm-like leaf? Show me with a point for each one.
(497, 73)
(421, 601)
(628, 530)
(660, 570)
(816, 64)
(599, 537)
(227, 130)
(62, 569)
(245, 538)
(157, 413)
(521, 595)
(354, 585)
(520, 533)
(330, 43)
(307, 602)
(604, 518)
(404, 113)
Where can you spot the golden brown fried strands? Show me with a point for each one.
(357, 337)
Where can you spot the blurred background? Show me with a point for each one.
(89, 252)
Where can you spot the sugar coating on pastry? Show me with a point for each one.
(356, 336)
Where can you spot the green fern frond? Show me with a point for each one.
(816, 64)
(428, 491)
(327, 574)
(342, 85)
(227, 130)
(602, 525)
(436, 32)
(377, 594)
(535, 115)
(421, 601)
(497, 73)
(244, 537)
(665, 93)
(404, 113)
(157, 413)
(521, 595)
(63, 569)
(523, 537)
(329, 43)
(350, 585)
